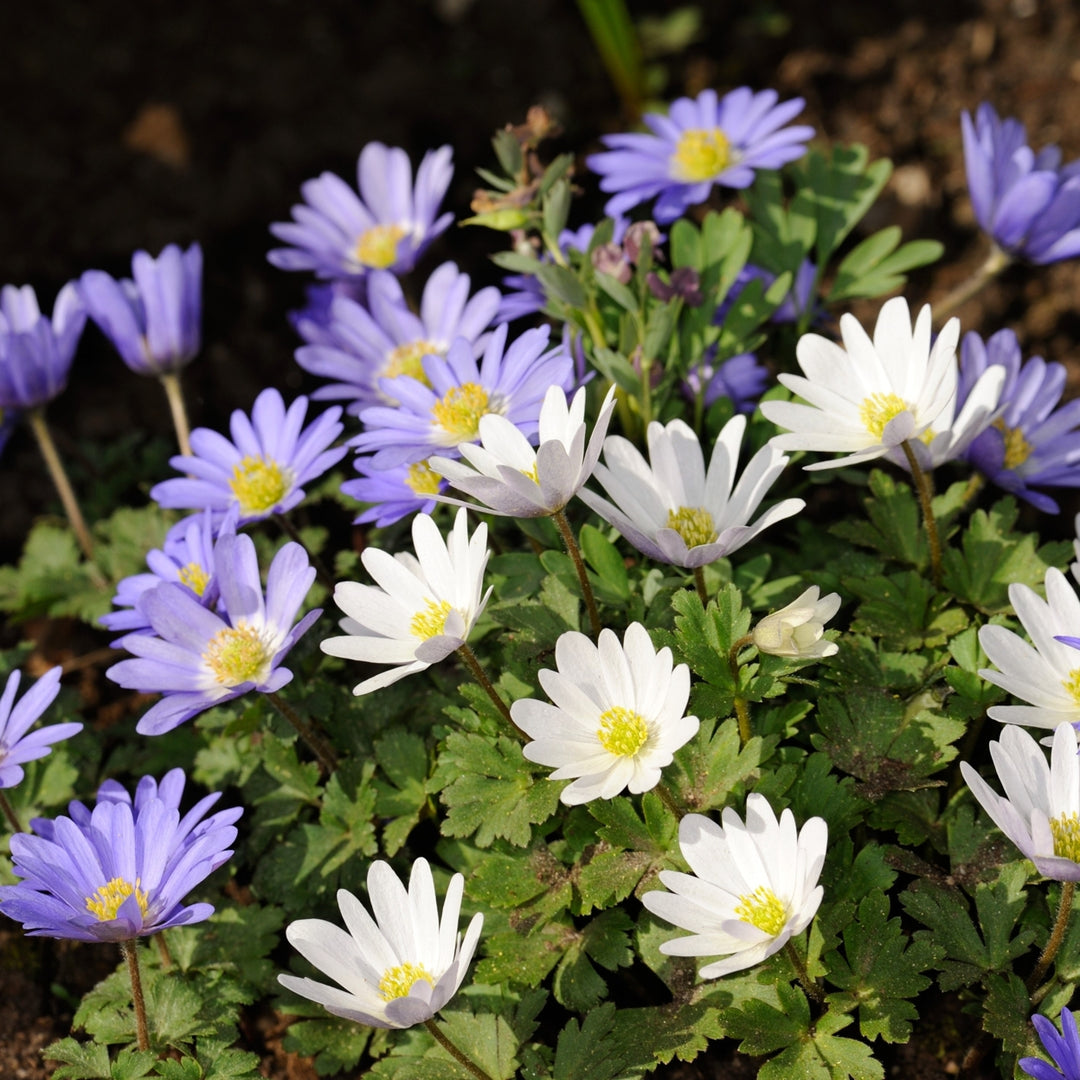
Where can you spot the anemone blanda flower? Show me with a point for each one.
(1045, 674)
(36, 352)
(197, 658)
(617, 715)
(742, 378)
(869, 396)
(395, 492)
(507, 476)
(154, 321)
(1033, 442)
(1028, 203)
(675, 511)
(386, 339)
(121, 870)
(259, 473)
(797, 630)
(396, 969)
(341, 235)
(753, 887)
(312, 321)
(18, 744)
(445, 410)
(422, 608)
(701, 142)
(1064, 1048)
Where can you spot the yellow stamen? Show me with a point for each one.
(459, 412)
(408, 360)
(878, 409)
(237, 655)
(423, 479)
(377, 246)
(694, 524)
(1017, 448)
(701, 155)
(1065, 829)
(764, 909)
(398, 981)
(106, 902)
(1072, 684)
(194, 577)
(259, 485)
(431, 621)
(622, 731)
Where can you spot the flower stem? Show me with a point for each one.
(808, 984)
(481, 677)
(1057, 935)
(9, 813)
(459, 1056)
(321, 572)
(993, 265)
(668, 799)
(60, 479)
(574, 552)
(742, 706)
(926, 500)
(170, 381)
(699, 584)
(163, 950)
(130, 950)
(322, 750)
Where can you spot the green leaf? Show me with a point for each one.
(894, 527)
(618, 292)
(335, 1044)
(402, 757)
(486, 1039)
(1006, 1011)
(561, 283)
(590, 1050)
(874, 267)
(764, 1027)
(713, 764)
(82, 1061)
(603, 556)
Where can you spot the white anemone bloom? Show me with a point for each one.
(674, 511)
(423, 607)
(617, 716)
(796, 630)
(753, 886)
(398, 969)
(865, 398)
(1040, 813)
(509, 477)
(1045, 674)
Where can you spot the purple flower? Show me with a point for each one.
(312, 321)
(259, 473)
(16, 746)
(385, 339)
(395, 492)
(701, 142)
(121, 870)
(799, 301)
(1033, 442)
(1028, 203)
(741, 378)
(197, 658)
(154, 322)
(340, 235)
(36, 354)
(1063, 1048)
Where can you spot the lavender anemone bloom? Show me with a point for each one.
(341, 235)
(121, 870)
(259, 473)
(1033, 441)
(395, 492)
(36, 353)
(17, 746)
(1064, 1048)
(1028, 203)
(703, 141)
(153, 321)
(197, 658)
(742, 378)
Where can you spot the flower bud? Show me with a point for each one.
(796, 630)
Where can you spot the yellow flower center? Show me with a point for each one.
(701, 155)
(1066, 832)
(694, 524)
(459, 412)
(878, 409)
(194, 577)
(431, 621)
(1017, 448)
(398, 981)
(764, 909)
(237, 655)
(377, 246)
(622, 731)
(408, 360)
(259, 485)
(1072, 684)
(106, 902)
(422, 479)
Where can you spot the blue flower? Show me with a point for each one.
(702, 142)
(197, 658)
(312, 321)
(741, 378)
(395, 492)
(1028, 203)
(1063, 1048)
(16, 746)
(36, 353)
(1033, 441)
(799, 301)
(259, 473)
(340, 235)
(154, 321)
(121, 870)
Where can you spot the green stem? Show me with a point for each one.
(163, 950)
(993, 265)
(1057, 936)
(459, 1056)
(742, 706)
(170, 381)
(321, 572)
(323, 751)
(567, 533)
(131, 954)
(60, 480)
(481, 677)
(926, 500)
(668, 799)
(813, 990)
(9, 813)
(699, 584)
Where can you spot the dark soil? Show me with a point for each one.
(128, 126)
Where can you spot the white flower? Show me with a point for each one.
(869, 396)
(1048, 675)
(753, 886)
(796, 630)
(1040, 813)
(617, 716)
(397, 969)
(509, 477)
(424, 607)
(671, 509)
